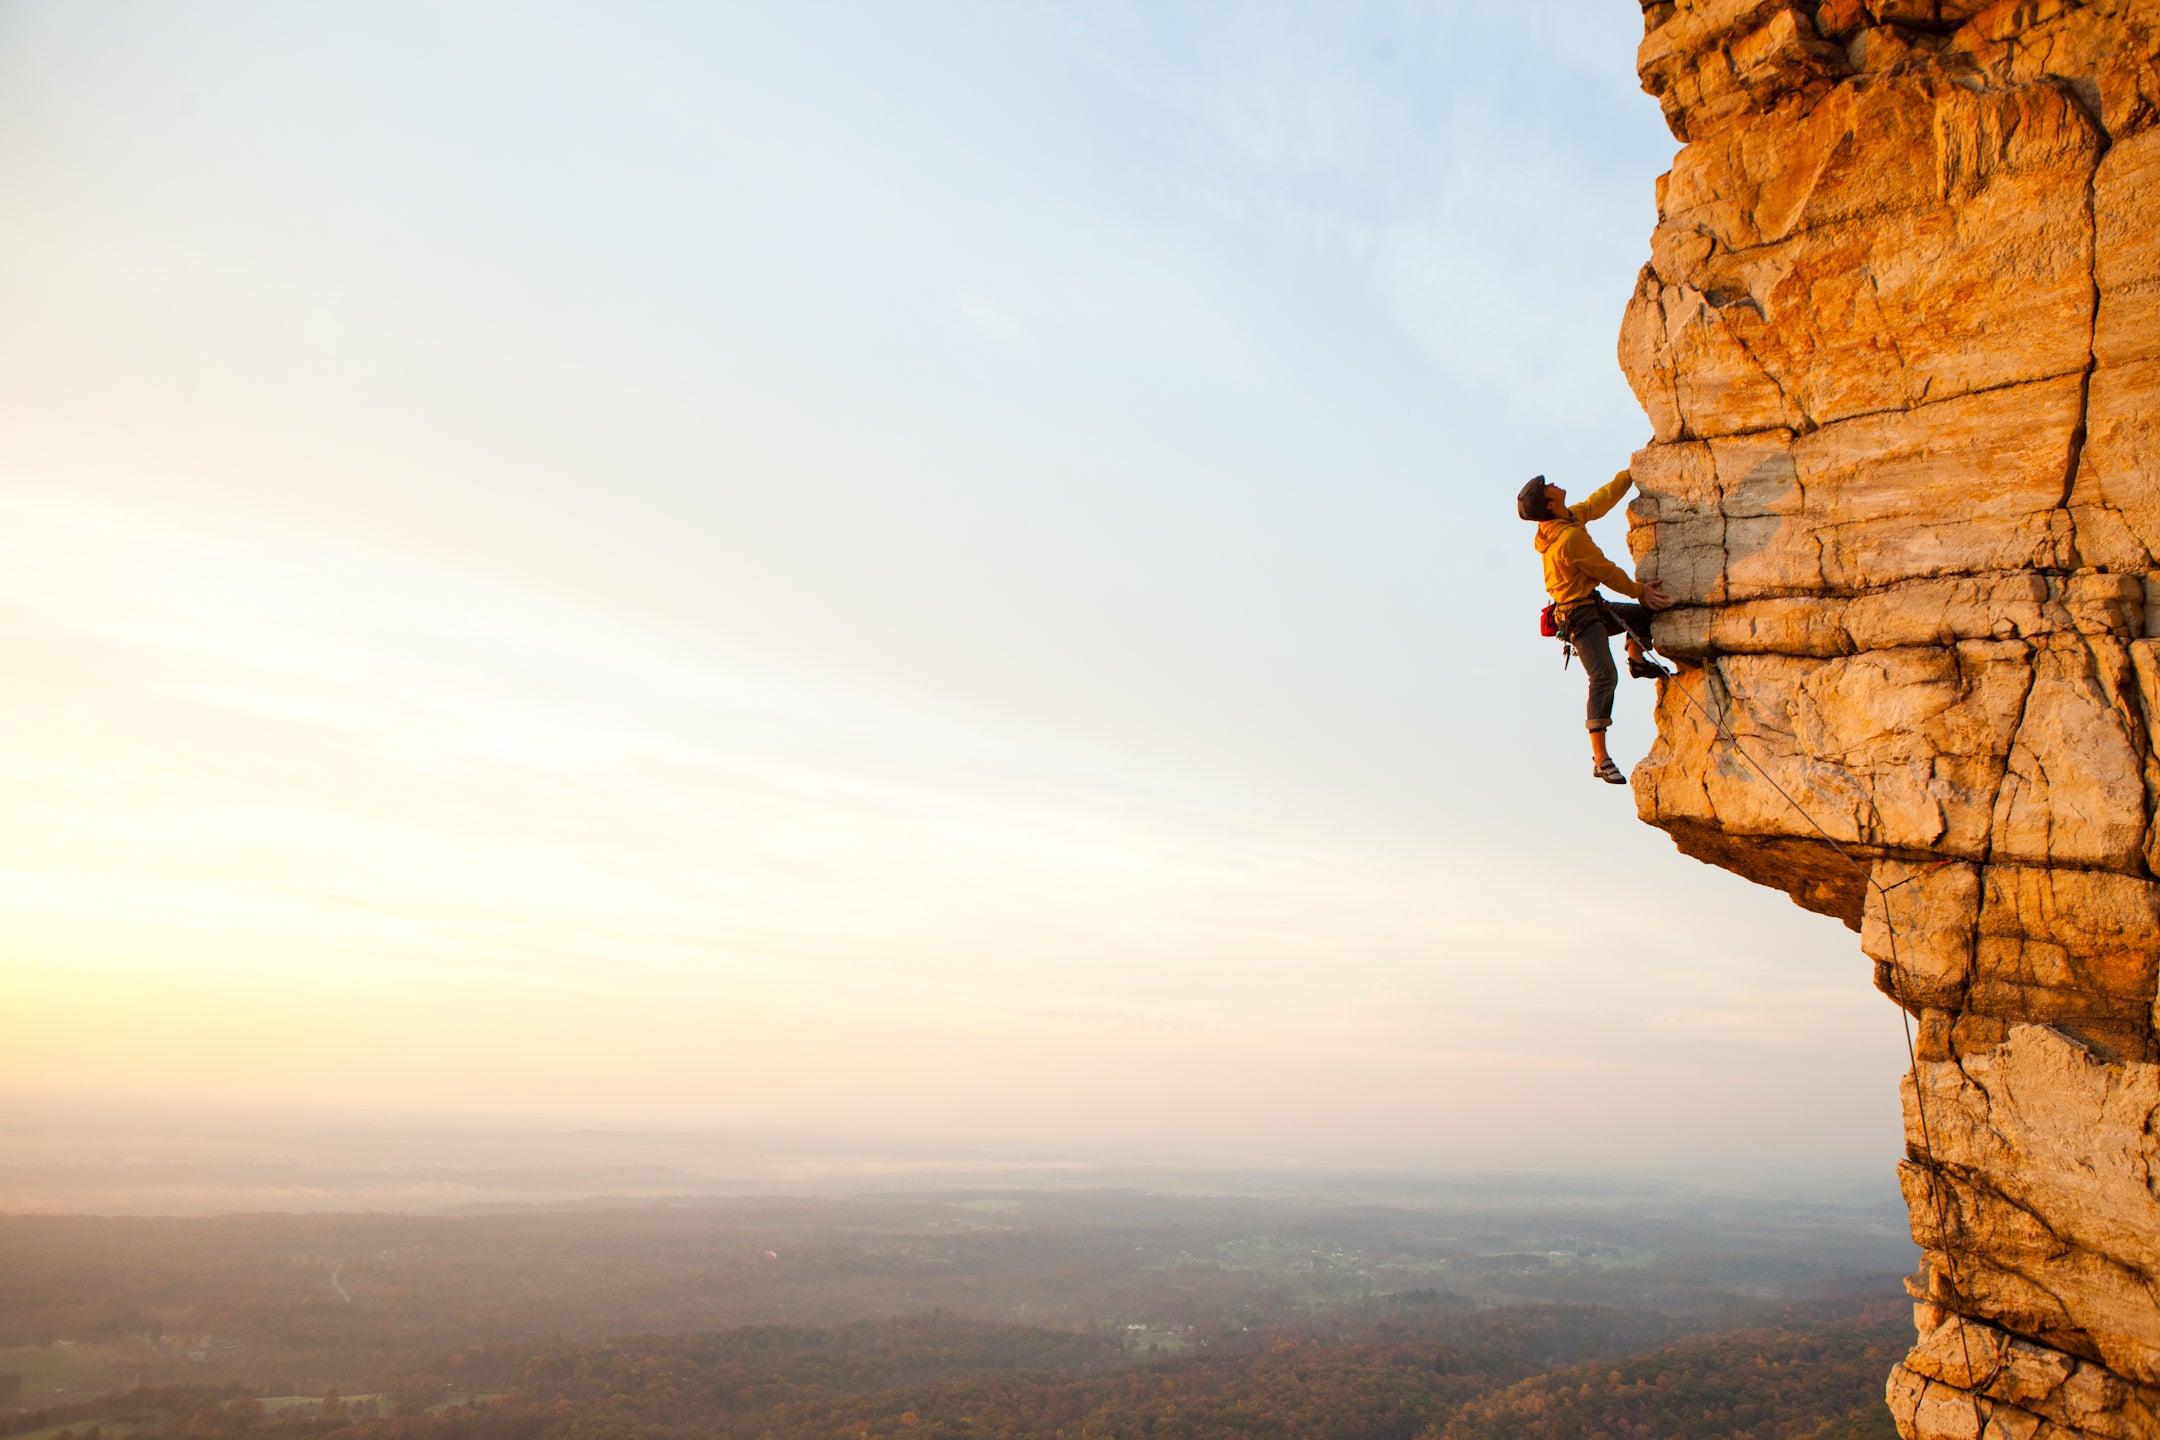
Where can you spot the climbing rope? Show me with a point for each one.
(1945, 1213)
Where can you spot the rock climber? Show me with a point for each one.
(1574, 568)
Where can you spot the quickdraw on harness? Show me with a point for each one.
(1642, 668)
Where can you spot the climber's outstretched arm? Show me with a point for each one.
(1602, 499)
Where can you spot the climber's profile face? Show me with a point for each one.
(1555, 499)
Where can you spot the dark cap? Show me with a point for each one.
(1530, 501)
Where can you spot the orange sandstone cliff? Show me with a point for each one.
(1899, 342)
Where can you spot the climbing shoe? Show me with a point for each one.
(1608, 772)
(1642, 667)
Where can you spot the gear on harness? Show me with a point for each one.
(1640, 666)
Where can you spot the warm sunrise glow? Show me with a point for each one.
(725, 572)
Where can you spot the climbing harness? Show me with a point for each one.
(1945, 1215)
(1641, 667)
(1548, 625)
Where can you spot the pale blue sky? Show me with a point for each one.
(939, 567)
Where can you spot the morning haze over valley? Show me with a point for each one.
(739, 721)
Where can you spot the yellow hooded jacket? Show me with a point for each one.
(1574, 566)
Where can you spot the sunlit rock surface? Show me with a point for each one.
(1899, 343)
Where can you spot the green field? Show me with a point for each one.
(110, 1429)
(272, 1404)
(1156, 1342)
(56, 1374)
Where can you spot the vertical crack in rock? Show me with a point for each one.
(1899, 340)
(2092, 335)
(2008, 787)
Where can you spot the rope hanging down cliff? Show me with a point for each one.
(1945, 1212)
(1574, 569)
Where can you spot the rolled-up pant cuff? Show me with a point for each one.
(1595, 649)
(1596, 725)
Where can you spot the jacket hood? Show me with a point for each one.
(1549, 531)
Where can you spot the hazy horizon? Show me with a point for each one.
(941, 573)
(198, 1160)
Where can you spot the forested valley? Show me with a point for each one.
(1098, 1314)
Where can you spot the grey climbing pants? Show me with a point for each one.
(1589, 631)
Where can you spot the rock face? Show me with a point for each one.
(1899, 342)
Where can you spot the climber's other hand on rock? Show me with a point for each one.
(1654, 596)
